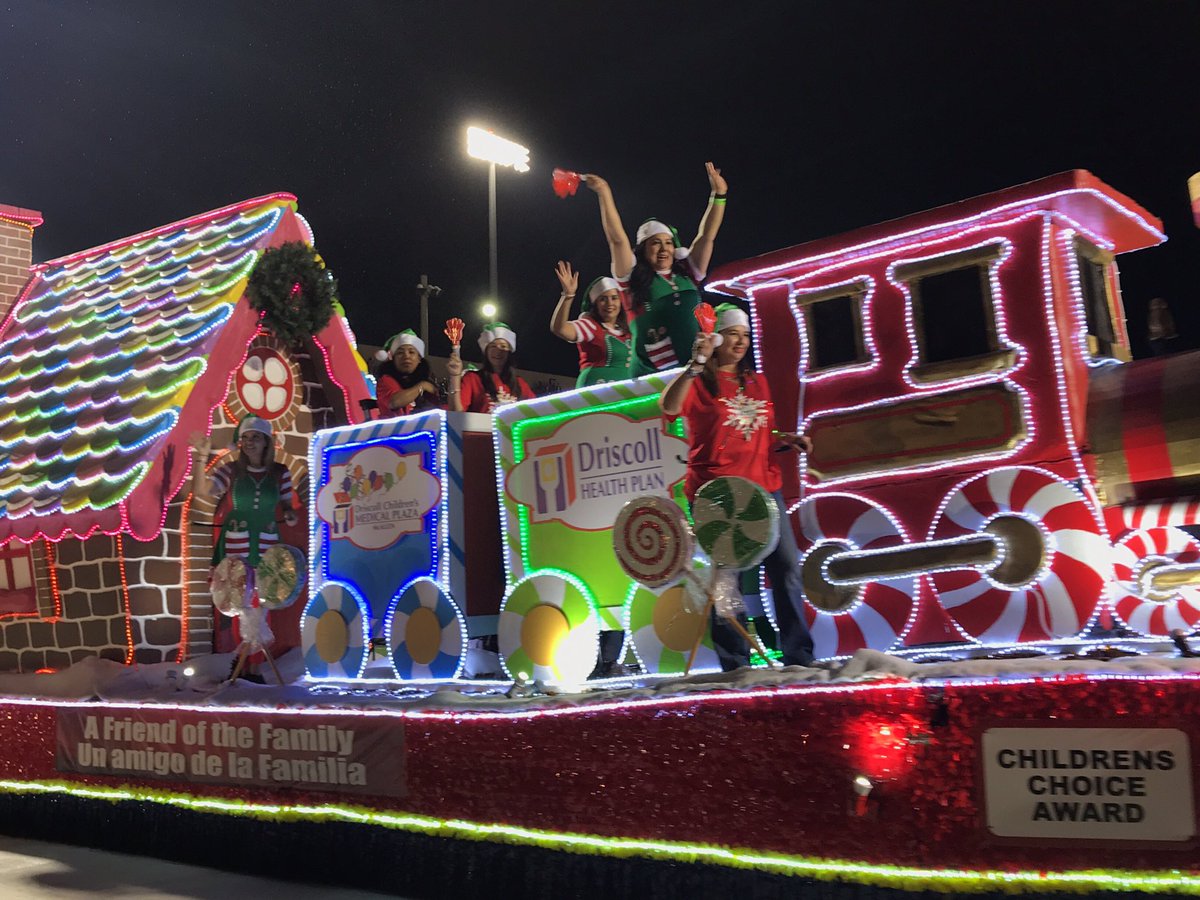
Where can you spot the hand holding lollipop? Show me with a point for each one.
(454, 330)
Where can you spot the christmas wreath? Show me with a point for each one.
(293, 290)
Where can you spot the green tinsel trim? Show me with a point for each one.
(908, 878)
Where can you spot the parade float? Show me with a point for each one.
(995, 558)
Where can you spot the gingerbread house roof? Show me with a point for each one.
(110, 357)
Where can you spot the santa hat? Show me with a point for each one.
(407, 336)
(252, 423)
(494, 331)
(651, 227)
(601, 285)
(729, 315)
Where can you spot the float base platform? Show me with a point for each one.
(712, 787)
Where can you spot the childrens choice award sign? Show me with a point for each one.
(1132, 784)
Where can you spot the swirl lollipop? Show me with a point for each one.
(566, 183)
(454, 330)
(652, 541)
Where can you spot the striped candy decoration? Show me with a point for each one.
(1120, 519)
(881, 610)
(664, 629)
(1059, 600)
(547, 630)
(1144, 613)
(737, 522)
(426, 633)
(333, 633)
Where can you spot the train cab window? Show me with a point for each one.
(954, 315)
(1094, 286)
(833, 322)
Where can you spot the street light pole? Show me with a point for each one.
(496, 151)
(494, 256)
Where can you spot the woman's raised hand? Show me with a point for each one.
(702, 348)
(201, 443)
(595, 183)
(567, 277)
(715, 181)
(454, 366)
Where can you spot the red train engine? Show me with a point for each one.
(981, 438)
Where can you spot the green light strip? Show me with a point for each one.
(908, 878)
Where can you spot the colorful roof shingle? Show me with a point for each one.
(99, 356)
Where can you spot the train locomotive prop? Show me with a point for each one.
(989, 467)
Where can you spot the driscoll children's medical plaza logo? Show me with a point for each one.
(376, 497)
(583, 473)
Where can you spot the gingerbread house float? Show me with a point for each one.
(110, 359)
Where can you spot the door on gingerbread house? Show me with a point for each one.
(271, 383)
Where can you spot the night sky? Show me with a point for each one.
(122, 116)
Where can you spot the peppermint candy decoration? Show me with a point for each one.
(425, 633)
(333, 633)
(232, 586)
(1134, 601)
(844, 620)
(280, 576)
(664, 625)
(737, 522)
(547, 630)
(1056, 558)
(652, 541)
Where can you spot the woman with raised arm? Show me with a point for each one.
(404, 383)
(660, 276)
(731, 426)
(496, 382)
(600, 332)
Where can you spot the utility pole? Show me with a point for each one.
(425, 290)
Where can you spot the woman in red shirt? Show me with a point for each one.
(731, 425)
(404, 383)
(497, 382)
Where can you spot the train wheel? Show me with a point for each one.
(333, 633)
(1055, 564)
(664, 623)
(1139, 606)
(845, 619)
(425, 633)
(547, 630)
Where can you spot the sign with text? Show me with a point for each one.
(583, 472)
(358, 755)
(1131, 784)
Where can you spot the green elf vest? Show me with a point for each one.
(664, 331)
(617, 366)
(252, 515)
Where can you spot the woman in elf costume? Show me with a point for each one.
(600, 332)
(731, 424)
(497, 382)
(661, 277)
(260, 492)
(404, 383)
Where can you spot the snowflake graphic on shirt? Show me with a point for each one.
(503, 395)
(745, 414)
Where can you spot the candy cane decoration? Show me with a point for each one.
(1133, 601)
(1059, 598)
